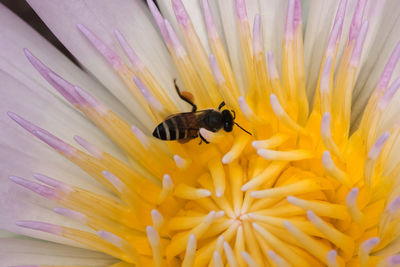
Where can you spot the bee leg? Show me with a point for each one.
(221, 105)
(194, 107)
(203, 139)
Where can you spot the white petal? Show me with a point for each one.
(386, 35)
(273, 16)
(227, 13)
(194, 9)
(13, 61)
(24, 251)
(319, 23)
(21, 154)
(103, 17)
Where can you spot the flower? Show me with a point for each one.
(288, 186)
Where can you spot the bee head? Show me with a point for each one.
(228, 120)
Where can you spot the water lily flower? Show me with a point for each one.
(313, 182)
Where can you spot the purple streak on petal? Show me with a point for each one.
(357, 20)
(64, 87)
(351, 197)
(25, 266)
(23, 123)
(272, 70)
(49, 181)
(394, 205)
(43, 135)
(112, 238)
(41, 226)
(369, 244)
(87, 99)
(358, 47)
(42, 190)
(114, 180)
(376, 148)
(218, 76)
(54, 183)
(211, 29)
(133, 58)
(181, 14)
(55, 142)
(336, 32)
(61, 85)
(177, 46)
(389, 68)
(151, 100)
(144, 140)
(112, 58)
(289, 20)
(393, 260)
(388, 95)
(94, 151)
(331, 256)
(241, 11)
(257, 42)
(75, 215)
(325, 75)
(159, 20)
(297, 15)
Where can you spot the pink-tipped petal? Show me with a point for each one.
(77, 216)
(181, 13)
(257, 39)
(336, 31)
(289, 27)
(151, 100)
(389, 94)
(176, 44)
(389, 68)
(376, 148)
(42, 190)
(40, 226)
(297, 14)
(100, 17)
(211, 28)
(357, 20)
(359, 45)
(241, 11)
(133, 57)
(93, 150)
(55, 142)
(218, 76)
(111, 57)
(159, 19)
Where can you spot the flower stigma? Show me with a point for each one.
(302, 190)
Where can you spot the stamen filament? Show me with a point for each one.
(301, 187)
(188, 260)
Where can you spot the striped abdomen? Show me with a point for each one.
(175, 128)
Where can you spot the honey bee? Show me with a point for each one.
(186, 126)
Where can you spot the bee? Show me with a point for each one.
(186, 126)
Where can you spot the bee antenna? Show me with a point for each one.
(242, 128)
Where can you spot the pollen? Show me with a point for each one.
(304, 189)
